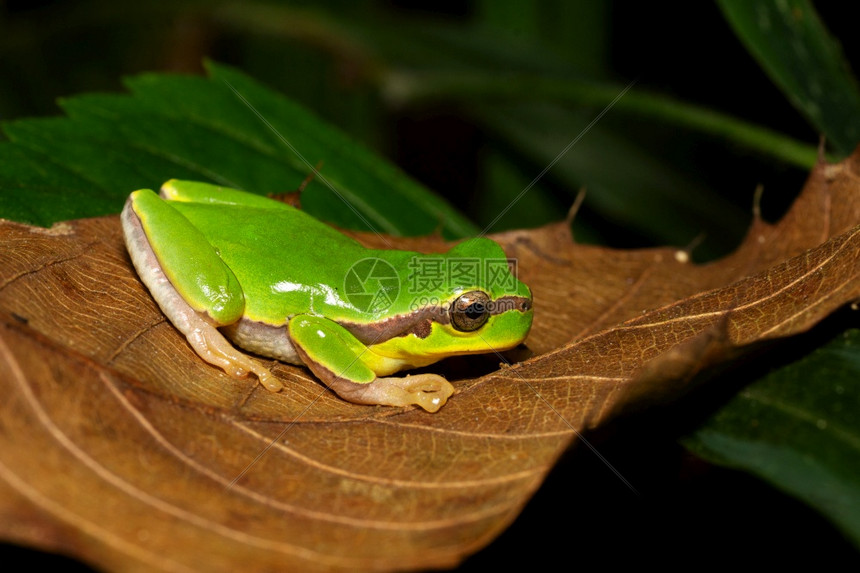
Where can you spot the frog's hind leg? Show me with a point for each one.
(146, 214)
(350, 368)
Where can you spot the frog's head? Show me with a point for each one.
(481, 307)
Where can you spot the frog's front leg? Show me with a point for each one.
(189, 281)
(350, 368)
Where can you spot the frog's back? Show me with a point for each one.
(286, 261)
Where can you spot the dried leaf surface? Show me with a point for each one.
(121, 447)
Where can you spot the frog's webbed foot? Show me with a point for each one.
(430, 391)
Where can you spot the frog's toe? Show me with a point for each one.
(269, 381)
(430, 391)
(235, 371)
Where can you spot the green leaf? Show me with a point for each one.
(798, 429)
(227, 129)
(795, 49)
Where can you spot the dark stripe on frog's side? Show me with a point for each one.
(417, 322)
(246, 333)
(274, 341)
(511, 302)
(398, 325)
(249, 333)
(423, 329)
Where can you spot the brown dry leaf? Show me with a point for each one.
(121, 447)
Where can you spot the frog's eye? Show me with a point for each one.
(470, 311)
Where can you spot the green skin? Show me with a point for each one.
(225, 263)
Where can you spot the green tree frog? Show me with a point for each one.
(225, 264)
